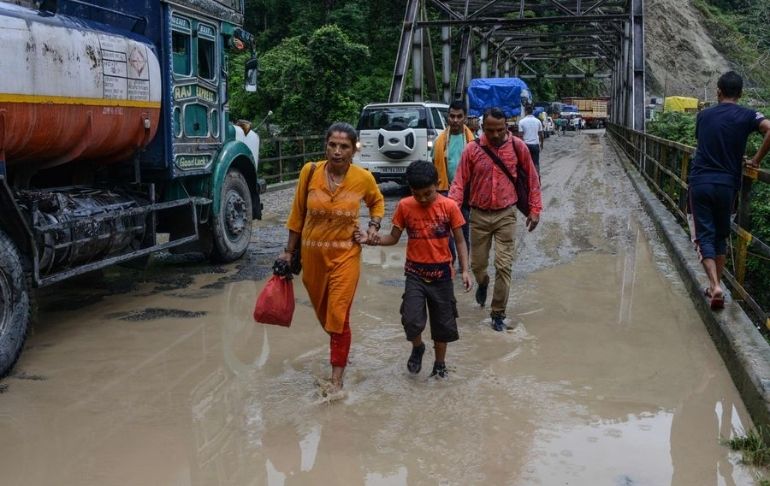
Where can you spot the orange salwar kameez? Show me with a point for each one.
(331, 260)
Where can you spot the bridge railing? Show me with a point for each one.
(281, 158)
(664, 165)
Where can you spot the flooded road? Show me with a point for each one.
(608, 376)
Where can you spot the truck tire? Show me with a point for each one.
(15, 308)
(231, 225)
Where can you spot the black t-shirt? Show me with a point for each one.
(722, 132)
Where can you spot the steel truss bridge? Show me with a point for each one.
(503, 38)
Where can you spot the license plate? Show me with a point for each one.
(392, 170)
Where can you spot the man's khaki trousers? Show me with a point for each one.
(500, 226)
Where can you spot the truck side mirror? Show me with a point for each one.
(250, 77)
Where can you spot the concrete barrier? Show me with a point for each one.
(744, 350)
(279, 186)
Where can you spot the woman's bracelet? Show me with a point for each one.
(287, 250)
(376, 224)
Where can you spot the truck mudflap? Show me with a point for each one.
(44, 232)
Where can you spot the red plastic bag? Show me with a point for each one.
(275, 304)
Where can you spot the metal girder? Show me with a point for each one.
(562, 19)
(567, 76)
(533, 35)
(637, 38)
(402, 58)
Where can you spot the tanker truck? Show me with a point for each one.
(115, 141)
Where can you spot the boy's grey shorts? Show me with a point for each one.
(439, 299)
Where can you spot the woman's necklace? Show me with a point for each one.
(333, 184)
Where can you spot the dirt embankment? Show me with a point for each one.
(681, 57)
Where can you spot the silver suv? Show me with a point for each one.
(393, 135)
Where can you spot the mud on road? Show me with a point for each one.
(607, 376)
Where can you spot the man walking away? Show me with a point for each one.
(532, 132)
(493, 211)
(715, 175)
(447, 151)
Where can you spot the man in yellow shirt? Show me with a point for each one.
(447, 151)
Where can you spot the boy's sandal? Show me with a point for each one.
(414, 364)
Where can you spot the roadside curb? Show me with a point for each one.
(279, 186)
(743, 349)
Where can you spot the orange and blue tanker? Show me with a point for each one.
(72, 92)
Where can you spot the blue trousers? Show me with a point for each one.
(711, 206)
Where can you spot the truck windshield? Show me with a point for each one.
(393, 118)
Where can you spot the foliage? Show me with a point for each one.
(674, 126)
(306, 61)
(752, 446)
(306, 81)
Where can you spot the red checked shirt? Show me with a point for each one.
(490, 188)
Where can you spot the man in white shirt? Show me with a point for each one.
(532, 133)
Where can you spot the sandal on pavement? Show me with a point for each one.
(716, 302)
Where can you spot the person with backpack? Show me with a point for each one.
(493, 199)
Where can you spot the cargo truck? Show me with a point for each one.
(593, 110)
(114, 129)
(508, 94)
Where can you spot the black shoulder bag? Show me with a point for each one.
(296, 257)
(520, 182)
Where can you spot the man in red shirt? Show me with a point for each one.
(493, 211)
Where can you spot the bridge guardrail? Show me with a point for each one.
(664, 165)
(281, 158)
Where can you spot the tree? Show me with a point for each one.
(307, 83)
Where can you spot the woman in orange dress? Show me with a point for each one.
(331, 259)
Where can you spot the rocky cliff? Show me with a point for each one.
(681, 57)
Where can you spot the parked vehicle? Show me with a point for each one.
(393, 135)
(593, 110)
(114, 128)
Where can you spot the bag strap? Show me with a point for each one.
(307, 186)
(499, 162)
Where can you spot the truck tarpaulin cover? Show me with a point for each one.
(680, 103)
(503, 93)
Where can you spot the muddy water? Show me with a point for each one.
(606, 378)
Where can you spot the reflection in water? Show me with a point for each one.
(399, 478)
(309, 446)
(628, 276)
(703, 415)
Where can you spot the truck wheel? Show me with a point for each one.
(14, 304)
(231, 226)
